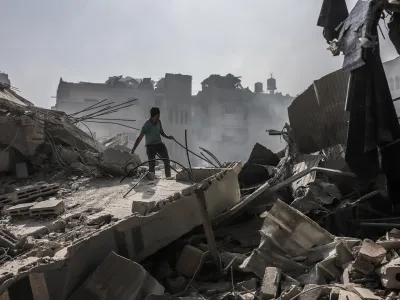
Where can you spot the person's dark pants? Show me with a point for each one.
(161, 150)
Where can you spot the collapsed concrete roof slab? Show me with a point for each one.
(135, 237)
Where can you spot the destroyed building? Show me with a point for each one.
(228, 117)
(171, 94)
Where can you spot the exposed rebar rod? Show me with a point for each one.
(104, 113)
(140, 179)
(94, 106)
(103, 122)
(206, 158)
(191, 175)
(193, 153)
(213, 156)
(106, 119)
(114, 107)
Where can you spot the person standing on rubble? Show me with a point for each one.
(152, 130)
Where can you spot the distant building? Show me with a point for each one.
(230, 119)
(171, 94)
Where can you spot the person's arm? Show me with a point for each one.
(137, 142)
(170, 137)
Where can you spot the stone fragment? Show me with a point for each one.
(175, 285)
(247, 286)
(247, 296)
(291, 292)
(334, 293)
(98, 218)
(366, 294)
(190, 260)
(48, 207)
(363, 266)
(57, 225)
(372, 252)
(270, 283)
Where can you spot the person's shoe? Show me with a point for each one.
(151, 176)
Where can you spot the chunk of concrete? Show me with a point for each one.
(235, 258)
(21, 169)
(345, 295)
(366, 294)
(48, 207)
(247, 286)
(118, 278)
(372, 252)
(270, 283)
(98, 218)
(190, 261)
(390, 273)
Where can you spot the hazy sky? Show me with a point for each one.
(90, 40)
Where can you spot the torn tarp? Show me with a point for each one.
(333, 12)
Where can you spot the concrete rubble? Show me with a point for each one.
(296, 224)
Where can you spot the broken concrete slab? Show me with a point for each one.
(48, 207)
(112, 279)
(7, 239)
(271, 283)
(190, 261)
(199, 174)
(116, 162)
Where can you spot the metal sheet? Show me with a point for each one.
(306, 161)
(317, 116)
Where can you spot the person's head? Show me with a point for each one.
(155, 113)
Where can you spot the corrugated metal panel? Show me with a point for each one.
(317, 116)
(306, 161)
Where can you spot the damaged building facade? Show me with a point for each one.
(230, 119)
(172, 94)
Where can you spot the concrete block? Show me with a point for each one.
(29, 193)
(190, 260)
(372, 252)
(363, 266)
(21, 170)
(118, 278)
(270, 283)
(389, 274)
(48, 207)
(199, 174)
(247, 286)
(20, 209)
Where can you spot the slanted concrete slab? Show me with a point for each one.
(118, 278)
(48, 207)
